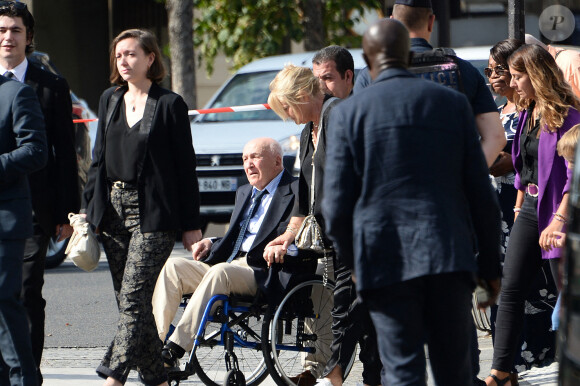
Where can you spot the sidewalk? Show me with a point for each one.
(76, 367)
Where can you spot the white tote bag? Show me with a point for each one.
(83, 247)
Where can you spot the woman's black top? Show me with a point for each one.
(125, 147)
(529, 142)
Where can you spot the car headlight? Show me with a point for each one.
(291, 148)
(290, 145)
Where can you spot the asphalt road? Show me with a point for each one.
(81, 309)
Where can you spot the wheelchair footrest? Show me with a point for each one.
(175, 374)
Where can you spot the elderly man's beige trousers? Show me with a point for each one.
(185, 276)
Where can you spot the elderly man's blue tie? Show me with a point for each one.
(9, 74)
(244, 227)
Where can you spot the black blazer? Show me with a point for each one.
(22, 150)
(273, 281)
(166, 178)
(55, 188)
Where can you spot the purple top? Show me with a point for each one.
(554, 177)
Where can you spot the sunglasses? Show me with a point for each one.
(16, 4)
(499, 70)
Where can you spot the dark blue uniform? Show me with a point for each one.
(474, 86)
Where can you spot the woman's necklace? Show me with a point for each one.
(132, 101)
(314, 133)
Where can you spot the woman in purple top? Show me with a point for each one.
(548, 110)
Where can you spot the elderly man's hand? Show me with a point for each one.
(201, 249)
(189, 238)
(275, 253)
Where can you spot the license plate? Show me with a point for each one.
(217, 184)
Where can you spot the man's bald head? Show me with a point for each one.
(386, 44)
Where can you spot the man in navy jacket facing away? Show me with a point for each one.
(405, 179)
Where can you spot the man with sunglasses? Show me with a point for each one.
(55, 188)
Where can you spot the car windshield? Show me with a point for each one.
(244, 89)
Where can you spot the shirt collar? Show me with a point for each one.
(420, 45)
(271, 187)
(18, 71)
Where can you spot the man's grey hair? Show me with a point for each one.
(275, 148)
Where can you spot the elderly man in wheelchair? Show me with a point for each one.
(234, 264)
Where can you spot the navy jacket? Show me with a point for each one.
(277, 279)
(404, 181)
(22, 151)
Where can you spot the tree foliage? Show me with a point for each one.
(245, 30)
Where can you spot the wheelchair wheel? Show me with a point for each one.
(209, 360)
(234, 378)
(296, 336)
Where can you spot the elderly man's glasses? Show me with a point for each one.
(499, 70)
(15, 4)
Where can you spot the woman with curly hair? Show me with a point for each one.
(548, 108)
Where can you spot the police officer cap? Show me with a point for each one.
(415, 3)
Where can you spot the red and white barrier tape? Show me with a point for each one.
(232, 109)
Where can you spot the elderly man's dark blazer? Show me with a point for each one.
(22, 151)
(273, 281)
(54, 188)
(407, 191)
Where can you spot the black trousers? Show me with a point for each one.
(434, 309)
(351, 323)
(523, 260)
(32, 282)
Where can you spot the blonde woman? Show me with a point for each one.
(295, 94)
(548, 110)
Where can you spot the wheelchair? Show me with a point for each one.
(244, 340)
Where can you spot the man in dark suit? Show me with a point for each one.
(235, 263)
(54, 188)
(22, 151)
(404, 182)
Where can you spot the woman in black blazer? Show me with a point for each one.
(142, 188)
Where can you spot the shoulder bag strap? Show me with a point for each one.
(323, 113)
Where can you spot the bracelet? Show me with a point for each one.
(517, 209)
(291, 230)
(560, 217)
